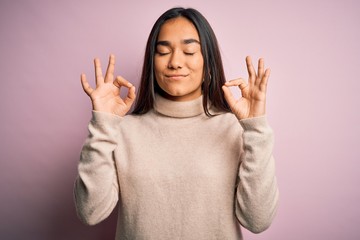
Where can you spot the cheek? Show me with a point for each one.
(197, 66)
(160, 63)
(158, 69)
(157, 66)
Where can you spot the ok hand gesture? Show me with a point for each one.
(106, 96)
(253, 94)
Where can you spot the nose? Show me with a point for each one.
(176, 60)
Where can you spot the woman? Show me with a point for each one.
(191, 161)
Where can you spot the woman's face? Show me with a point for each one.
(178, 60)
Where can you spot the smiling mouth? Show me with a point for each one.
(176, 76)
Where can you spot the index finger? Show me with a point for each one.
(120, 81)
(236, 82)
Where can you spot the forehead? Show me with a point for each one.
(178, 29)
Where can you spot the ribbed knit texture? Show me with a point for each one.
(178, 174)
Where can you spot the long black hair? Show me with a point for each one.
(214, 77)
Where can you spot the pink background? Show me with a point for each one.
(312, 48)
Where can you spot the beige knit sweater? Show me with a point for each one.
(178, 174)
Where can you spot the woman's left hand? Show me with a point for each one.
(253, 94)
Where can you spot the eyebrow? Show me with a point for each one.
(185, 41)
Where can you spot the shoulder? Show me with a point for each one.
(226, 120)
(136, 120)
(225, 117)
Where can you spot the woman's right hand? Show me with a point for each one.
(106, 96)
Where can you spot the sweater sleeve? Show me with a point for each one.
(96, 188)
(257, 192)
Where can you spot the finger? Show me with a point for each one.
(241, 83)
(264, 80)
(130, 98)
(109, 77)
(228, 96)
(237, 82)
(98, 72)
(122, 82)
(260, 72)
(251, 70)
(85, 85)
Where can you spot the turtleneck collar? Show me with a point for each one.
(178, 109)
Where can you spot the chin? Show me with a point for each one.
(170, 94)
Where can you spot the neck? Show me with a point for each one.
(178, 109)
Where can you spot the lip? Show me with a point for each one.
(176, 76)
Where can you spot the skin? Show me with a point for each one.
(252, 102)
(106, 96)
(178, 70)
(178, 60)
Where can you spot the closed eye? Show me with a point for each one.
(162, 53)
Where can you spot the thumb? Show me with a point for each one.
(130, 98)
(228, 96)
